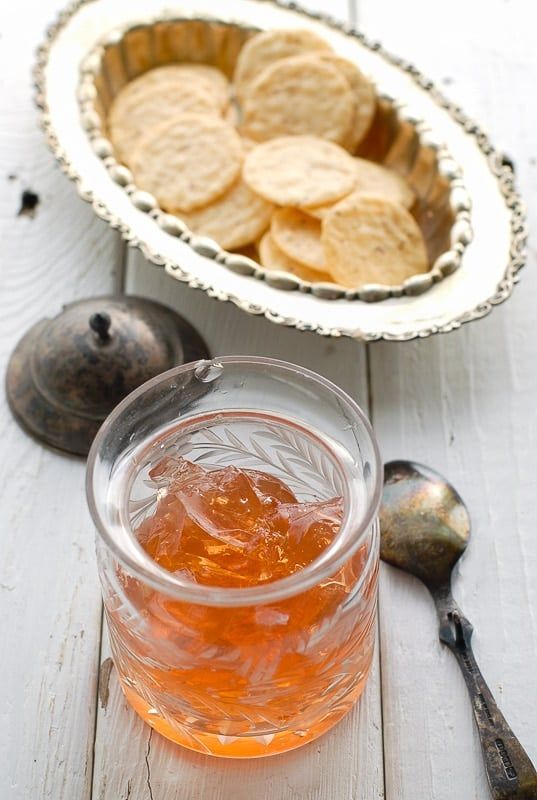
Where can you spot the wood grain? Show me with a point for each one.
(229, 331)
(49, 594)
(465, 404)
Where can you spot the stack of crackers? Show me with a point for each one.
(266, 165)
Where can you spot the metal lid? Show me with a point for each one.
(66, 374)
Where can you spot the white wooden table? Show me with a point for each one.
(465, 403)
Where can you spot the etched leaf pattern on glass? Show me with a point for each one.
(293, 457)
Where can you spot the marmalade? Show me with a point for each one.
(246, 680)
(233, 527)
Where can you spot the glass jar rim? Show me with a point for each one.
(151, 573)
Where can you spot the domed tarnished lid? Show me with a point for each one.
(67, 373)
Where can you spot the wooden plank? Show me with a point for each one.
(228, 330)
(130, 760)
(465, 404)
(51, 610)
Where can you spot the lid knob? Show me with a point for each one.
(100, 322)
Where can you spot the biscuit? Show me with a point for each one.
(299, 237)
(298, 96)
(267, 47)
(295, 170)
(369, 239)
(188, 161)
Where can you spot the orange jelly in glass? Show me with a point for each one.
(239, 585)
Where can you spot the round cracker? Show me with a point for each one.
(369, 239)
(265, 48)
(234, 220)
(189, 161)
(372, 179)
(299, 237)
(273, 258)
(300, 95)
(201, 76)
(364, 96)
(299, 171)
(132, 116)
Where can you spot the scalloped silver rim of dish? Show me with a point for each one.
(398, 319)
(460, 233)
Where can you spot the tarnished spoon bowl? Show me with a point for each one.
(425, 524)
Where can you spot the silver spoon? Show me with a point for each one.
(425, 528)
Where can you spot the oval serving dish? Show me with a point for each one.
(470, 215)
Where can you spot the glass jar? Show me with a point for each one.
(239, 671)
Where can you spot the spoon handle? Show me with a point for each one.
(510, 773)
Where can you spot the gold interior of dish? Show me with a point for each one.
(394, 139)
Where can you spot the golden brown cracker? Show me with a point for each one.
(373, 179)
(133, 115)
(299, 236)
(275, 259)
(189, 161)
(299, 96)
(299, 170)
(267, 47)
(201, 76)
(368, 239)
(364, 96)
(234, 220)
